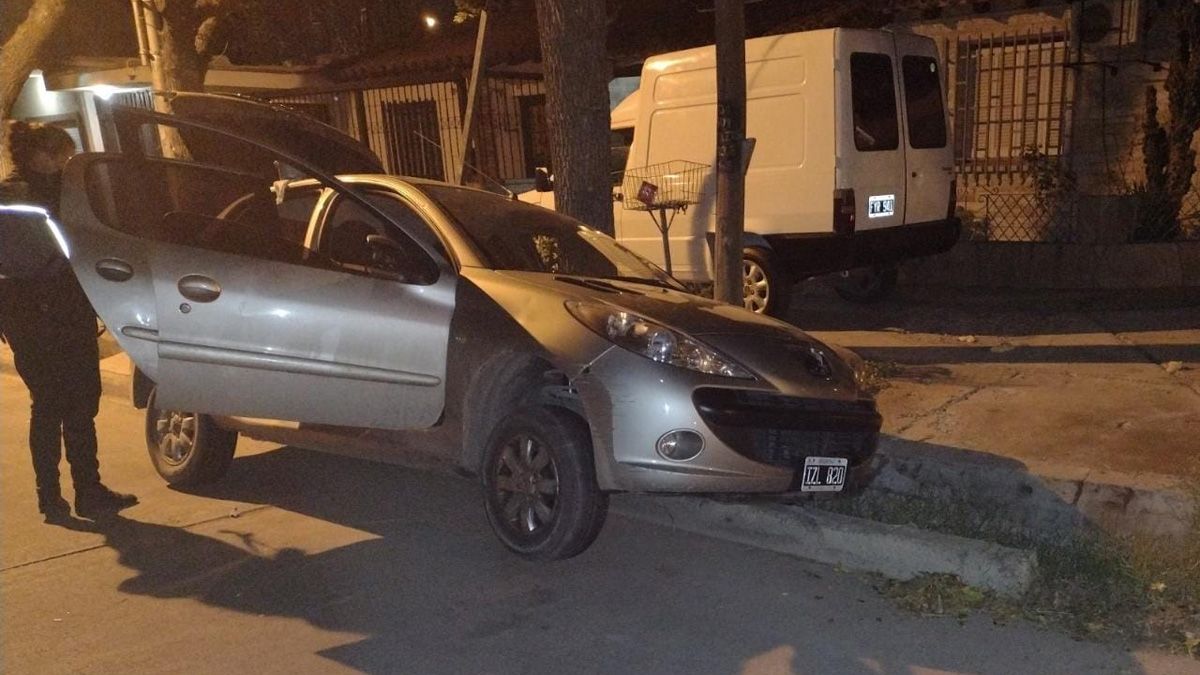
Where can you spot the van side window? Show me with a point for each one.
(621, 140)
(873, 97)
(923, 102)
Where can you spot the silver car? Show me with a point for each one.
(276, 283)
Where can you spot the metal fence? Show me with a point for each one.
(417, 129)
(1135, 217)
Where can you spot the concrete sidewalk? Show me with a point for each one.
(1061, 408)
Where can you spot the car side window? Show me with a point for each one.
(203, 207)
(362, 243)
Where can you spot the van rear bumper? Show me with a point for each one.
(807, 255)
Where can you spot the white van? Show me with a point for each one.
(853, 168)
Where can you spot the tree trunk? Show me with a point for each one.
(182, 67)
(572, 34)
(731, 137)
(20, 52)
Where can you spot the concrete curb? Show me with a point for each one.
(1048, 506)
(895, 551)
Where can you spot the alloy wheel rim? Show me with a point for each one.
(176, 435)
(526, 487)
(756, 292)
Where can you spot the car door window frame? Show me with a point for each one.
(327, 210)
(129, 122)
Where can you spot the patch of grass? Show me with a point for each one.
(936, 595)
(873, 375)
(1136, 591)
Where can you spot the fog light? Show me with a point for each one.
(681, 445)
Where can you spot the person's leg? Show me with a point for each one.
(45, 426)
(92, 498)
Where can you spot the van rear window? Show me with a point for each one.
(873, 97)
(923, 102)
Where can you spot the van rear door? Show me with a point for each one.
(870, 152)
(928, 155)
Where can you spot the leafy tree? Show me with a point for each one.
(25, 45)
(1170, 161)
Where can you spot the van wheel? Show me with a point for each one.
(539, 485)
(187, 448)
(765, 290)
(866, 284)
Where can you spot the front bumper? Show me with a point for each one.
(755, 436)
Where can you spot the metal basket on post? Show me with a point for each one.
(658, 188)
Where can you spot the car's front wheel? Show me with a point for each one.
(539, 485)
(187, 448)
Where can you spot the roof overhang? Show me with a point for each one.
(97, 74)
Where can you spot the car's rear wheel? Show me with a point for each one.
(866, 284)
(539, 485)
(187, 448)
(765, 289)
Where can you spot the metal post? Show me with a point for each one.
(664, 226)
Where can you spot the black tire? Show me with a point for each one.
(539, 485)
(866, 284)
(187, 448)
(765, 288)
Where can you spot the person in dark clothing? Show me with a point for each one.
(51, 328)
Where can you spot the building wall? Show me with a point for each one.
(1105, 73)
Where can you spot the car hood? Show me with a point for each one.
(784, 356)
(291, 132)
(682, 311)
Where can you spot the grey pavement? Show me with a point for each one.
(300, 562)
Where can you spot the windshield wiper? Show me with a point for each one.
(642, 280)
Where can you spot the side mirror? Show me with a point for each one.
(30, 243)
(542, 182)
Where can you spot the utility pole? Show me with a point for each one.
(731, 150)
(477, 72)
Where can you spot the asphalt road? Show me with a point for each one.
(306, 563)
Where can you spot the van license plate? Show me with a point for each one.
(823, 474)
(881, 206)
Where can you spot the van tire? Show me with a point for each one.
(865, 285)
(765, 288)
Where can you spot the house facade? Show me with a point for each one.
(1047, 101)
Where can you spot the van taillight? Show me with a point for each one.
(843, 211)
(952, 207)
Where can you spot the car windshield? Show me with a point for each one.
(511, 235)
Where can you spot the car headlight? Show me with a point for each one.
(655, 341)
(856, 364)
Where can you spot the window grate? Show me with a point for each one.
(1012, 92)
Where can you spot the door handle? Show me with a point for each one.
(199, 288)
(114, 269)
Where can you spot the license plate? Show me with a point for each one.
(881, 206)
(823, 474)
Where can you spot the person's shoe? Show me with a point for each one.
(52, 505)
(98, 500)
